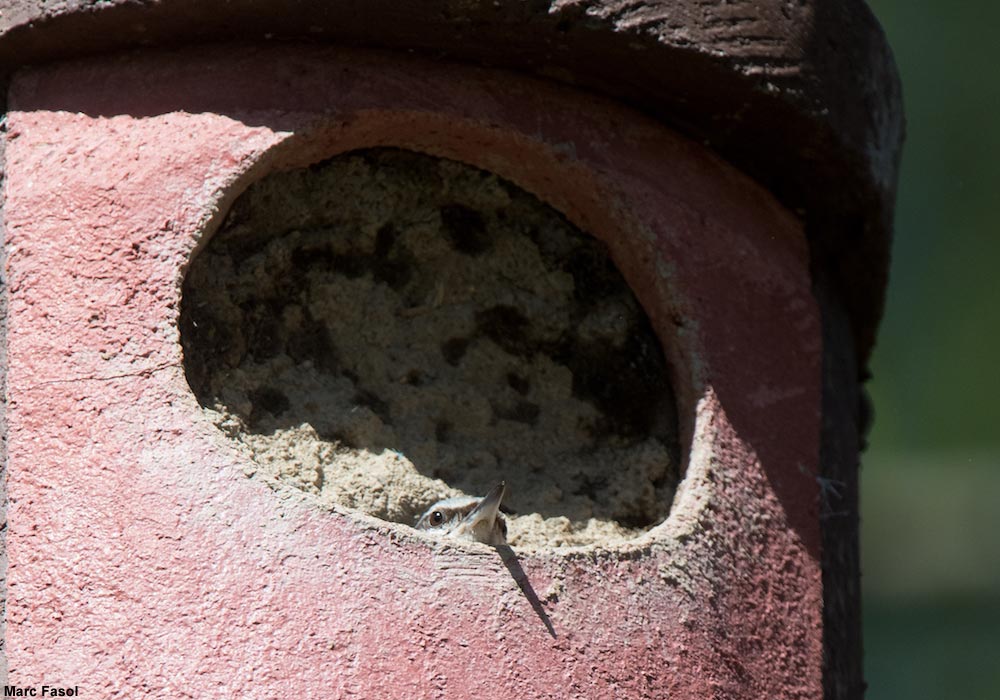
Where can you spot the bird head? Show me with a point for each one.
(468, 518)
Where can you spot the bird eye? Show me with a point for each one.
(437, 517)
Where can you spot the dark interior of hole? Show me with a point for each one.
(389, 275)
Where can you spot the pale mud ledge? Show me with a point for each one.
(385, 329)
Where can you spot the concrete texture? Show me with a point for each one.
(804, 96)
(386, 329)
(142, 562)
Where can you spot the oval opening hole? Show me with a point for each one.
(386, 328)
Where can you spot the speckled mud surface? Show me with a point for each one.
(385, 329)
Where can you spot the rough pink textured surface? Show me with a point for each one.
(144, 563)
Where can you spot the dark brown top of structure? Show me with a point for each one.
(803, 95)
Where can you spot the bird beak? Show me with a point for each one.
(488, 507)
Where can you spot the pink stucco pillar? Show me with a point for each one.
(142, 562)
(140, 555)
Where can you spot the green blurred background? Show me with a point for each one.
(931, 478)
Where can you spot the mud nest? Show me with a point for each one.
(386, 328)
